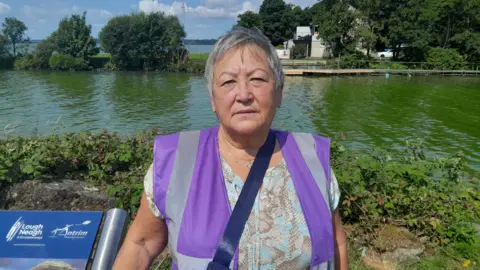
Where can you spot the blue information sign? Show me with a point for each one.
(42, 239)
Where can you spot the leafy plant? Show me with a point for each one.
(66, 62)
(432, 197)
(440, 58)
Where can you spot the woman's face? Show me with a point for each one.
(244, 96)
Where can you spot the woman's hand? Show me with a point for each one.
(146, 239)
(341, 256)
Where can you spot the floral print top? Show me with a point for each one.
(276, 234)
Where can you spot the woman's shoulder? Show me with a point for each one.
(303, 137)
(171, 140)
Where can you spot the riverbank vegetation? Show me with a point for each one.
(144, 42)
(430, 34)
(437, 200)
(415, 30)
(137, 41)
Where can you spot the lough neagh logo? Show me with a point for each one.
(20, 230)
(66, 232)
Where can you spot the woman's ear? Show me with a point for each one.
(213, 105)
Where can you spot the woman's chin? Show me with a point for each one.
(246, 127)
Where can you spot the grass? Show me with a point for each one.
(103, 55)
(454, 256)
(198, 56)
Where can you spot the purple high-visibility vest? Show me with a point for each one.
(190, 192)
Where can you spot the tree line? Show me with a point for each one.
(415, 30)
(137, 41)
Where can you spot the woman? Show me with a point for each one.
(196, 177)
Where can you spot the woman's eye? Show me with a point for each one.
(228, 82)
(258, 79)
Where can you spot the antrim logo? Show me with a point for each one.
(66, 232)
(20, 230)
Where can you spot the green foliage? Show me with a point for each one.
(250, 19)
(112, 162)
(277, 20)
(335, 22)
(6, 62)
(198, 56)
(446, 59)
(99, 61)
(349, 61)
(72, 43)
(39, 59)
(435, 198)
(144, 41)
(3, 46)
(73, 37)
(455, 256)
(14, 31)
(301, 17)
(24, 63)
(468, 44)
(66, 62)
(388, 65)
(431, 197)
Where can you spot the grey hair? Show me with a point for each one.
(240, 37)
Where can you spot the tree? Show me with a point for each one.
(250, 19)
(302, 17)
(366, 17)
(3, 45)
(73, 37)
(143, 41)
(336, 21)
(14, 31)
(277, 18)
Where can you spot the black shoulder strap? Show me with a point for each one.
(243, 207)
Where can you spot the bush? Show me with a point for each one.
(349, 61)
(7, 62)
(25, 62)
(66, 62)
(445, 59)
(115, 163)
(143, 41)
(430, 197)
(388, 65)
(98, 62)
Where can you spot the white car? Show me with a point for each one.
(388, 53)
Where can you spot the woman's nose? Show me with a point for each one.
(243, 92)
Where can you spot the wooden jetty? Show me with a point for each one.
(339, 72)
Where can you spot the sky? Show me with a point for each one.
(202, 19)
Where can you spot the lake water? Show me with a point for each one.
(199, 48)
(369, 111)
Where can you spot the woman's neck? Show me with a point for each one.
(243, 144)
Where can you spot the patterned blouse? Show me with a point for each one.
(276, 235)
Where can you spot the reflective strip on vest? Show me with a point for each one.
(305, 142)
(178, 188)
(197, 207)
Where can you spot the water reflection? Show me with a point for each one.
(370, 111)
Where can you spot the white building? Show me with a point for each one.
(318, 48)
